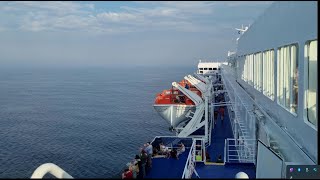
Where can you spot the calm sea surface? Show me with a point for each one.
(88, 121)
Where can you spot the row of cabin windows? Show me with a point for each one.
(207, 68)
(259, 73)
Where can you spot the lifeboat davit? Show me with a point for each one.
(173, 105)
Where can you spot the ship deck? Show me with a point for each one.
(221, 132)
(163, 167)
(172, 168)
(168, 168)
(224, 171)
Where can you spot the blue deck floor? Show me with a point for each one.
(226, 171)
(168, 168)
(220, 132)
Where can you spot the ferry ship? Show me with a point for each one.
(268, 90)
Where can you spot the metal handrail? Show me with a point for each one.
(190, 158)
(52, 169)
(246, 152)
(225, 150)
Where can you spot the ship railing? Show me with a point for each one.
(189, 167)
(51, 168)
(240, 151)
(157, 137)
(172, 141)
(242, 118)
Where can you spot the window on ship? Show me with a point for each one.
(311, 82)
(268, 74)
(288, 77)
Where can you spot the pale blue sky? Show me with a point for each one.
(120, 33)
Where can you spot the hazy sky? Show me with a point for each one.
(120, 33)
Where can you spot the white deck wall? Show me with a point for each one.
(283, 23)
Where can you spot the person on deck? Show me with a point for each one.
(127, 174)
(149, 150)
(134, 168)
(219, 160)
(138, 161)
(174, 154)
(143, 158)
(215, 117)
(164, 150)
(221, 111)
(181, 149)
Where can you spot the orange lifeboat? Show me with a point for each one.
(173, 105)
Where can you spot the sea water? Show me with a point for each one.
(88, 121)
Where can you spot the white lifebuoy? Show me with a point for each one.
(241, 175)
